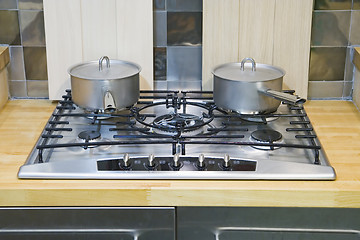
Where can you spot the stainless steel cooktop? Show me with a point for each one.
(177, 135)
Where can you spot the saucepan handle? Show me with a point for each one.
(285, 97)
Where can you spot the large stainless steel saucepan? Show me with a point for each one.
(250, 88)
(94, 87)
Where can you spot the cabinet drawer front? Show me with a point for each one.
(87, 223)
(252, 223)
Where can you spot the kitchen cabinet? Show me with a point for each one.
(272, 31)
(87, 223)
(267, 223)
(84, 30)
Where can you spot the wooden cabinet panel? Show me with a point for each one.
(220, 35)
(292, 34)
(135, 36)
(271, 31)
(256, 30)
(63, 42)
(98, 29)
(83, 30)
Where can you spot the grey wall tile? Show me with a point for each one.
(9, 27)
(16, 68)
(347, 92)
(160, 85)
(325, 89)
(37, 89)
(184, 85)
(184, 63)
(327, 63)
(330, 28)
(32, 28)
(160, 29)
(184, 5)
(355, 28)
(356, 4)
(160, 63)
(332, 4)
(159, 4)
(31, 4)
(184, 28)
(35, 63)
(18, 89)
(8, 4)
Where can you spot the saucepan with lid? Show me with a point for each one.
(250, 88)
(95, 87)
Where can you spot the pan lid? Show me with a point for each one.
(113, 69)
(248, 72)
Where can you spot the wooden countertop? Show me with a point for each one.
(337, 124)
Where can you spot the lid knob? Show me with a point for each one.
(253, 64)
(107, 60)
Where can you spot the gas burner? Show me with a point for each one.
(98, 114)
(178, 121)
(258, 119)
(89, 135)
(265, 136)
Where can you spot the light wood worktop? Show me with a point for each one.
(337, 124)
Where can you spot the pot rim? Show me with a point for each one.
(96, 63)
(258, 65)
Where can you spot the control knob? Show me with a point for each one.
(151, 160)
(201, 164)
(226, 161)
(126, 160)
(176, 163)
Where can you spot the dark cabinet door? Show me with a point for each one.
(87, 223)
(238, 223)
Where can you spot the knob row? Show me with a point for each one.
(176, 163)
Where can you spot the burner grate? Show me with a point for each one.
(175, 100)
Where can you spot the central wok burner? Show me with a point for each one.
(178, 121)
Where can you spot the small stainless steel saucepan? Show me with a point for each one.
(94, 87)
(250, 88)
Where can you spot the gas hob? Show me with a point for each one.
(177, 135)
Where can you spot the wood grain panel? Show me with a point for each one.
(83, 30)
(292, 42)
(220, 36)
(98, 29)
(256, 30)
(4, 89)
(135, 36)
(63, 42)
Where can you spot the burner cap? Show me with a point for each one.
(175, 121)
(266, 135)
(89, 135)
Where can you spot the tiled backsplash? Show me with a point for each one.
(335, 31)
(22, 27)
(177, 44)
